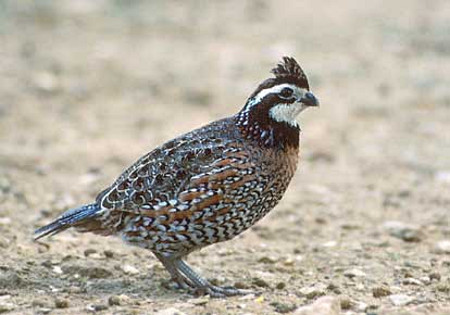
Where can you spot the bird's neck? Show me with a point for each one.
(260, 128)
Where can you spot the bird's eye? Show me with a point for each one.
(286, 92)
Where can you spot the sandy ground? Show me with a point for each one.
(86, 87)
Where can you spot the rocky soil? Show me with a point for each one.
(86, 87)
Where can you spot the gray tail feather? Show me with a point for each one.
(68, 219)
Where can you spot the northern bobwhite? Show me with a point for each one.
(206, 186)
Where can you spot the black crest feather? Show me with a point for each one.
(290, 71)
(287, 71)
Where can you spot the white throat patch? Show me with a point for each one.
(286, 113)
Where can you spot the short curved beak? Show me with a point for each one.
(309, 99)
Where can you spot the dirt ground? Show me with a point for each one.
(86, 87)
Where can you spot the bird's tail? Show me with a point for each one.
(70, 218)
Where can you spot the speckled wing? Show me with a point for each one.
(189, 178)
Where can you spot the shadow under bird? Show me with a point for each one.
(206, 186)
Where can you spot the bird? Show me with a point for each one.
(206, 186)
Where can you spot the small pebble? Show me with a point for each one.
(259, 299)
(108, 253)
(6, 307)
(241, 285)
(218, 281)
(61, 303)
(260, 283)
(360, 287)
(425, 280)
(435, 276)
(334, 288)
(281, 285)
(247, 297)
(6, 242)
(170, 311)
(381, 291)
(330, 244)
(57, 270)
(89, 252)
(46, 81)
(241, 306)
(443, 247)
(118, 300)
(443, 287)
(267, 260)
(5, 221)
(283, 308)
(407, 273)
(401, 299)
(129, 270)
(360, 306)
(346, 303)
(443, 176)
(91, 272)
(412, 281)
(354, 273)
(74, 290)
(40, 303)
(96, 307)
(200, 301)
(403, 231)
(289, 262)
(49, 263)
(326, 305)
(312, 292)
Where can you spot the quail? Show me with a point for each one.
(206, 186)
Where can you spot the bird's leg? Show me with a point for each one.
(203, 286)
(186, 278)
(176, 276)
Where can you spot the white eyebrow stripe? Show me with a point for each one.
(263, 93)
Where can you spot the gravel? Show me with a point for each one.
(401, 299)
(326, 305)
(443, 247)
(381, 291)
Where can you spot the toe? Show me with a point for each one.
(227, 291)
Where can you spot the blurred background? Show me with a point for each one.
(86, 87)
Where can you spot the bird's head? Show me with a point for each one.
(274, 106)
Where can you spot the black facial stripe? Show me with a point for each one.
(273, 99)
